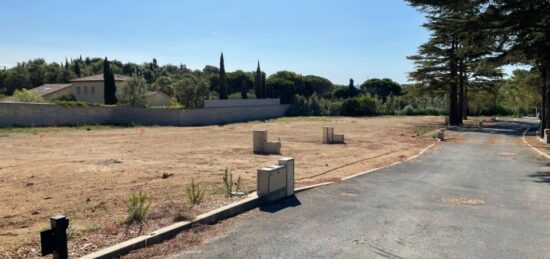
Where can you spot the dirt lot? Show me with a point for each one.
(89, 174)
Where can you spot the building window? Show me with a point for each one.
(85, 90)
(78, 90)
(92, 90)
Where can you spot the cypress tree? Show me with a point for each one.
(109, 93)
(223, 80)
(258, 82)
(77, 68)
(264, 88)
(66, 64)
(350, 88)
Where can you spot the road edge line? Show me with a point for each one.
(533, 148)
(390, 165)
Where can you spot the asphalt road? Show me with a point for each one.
(486, 196)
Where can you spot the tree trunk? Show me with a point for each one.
(466, 107)
(546, 79)
(460, 111)
(543, 104)
(453, 98)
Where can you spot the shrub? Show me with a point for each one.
(71, 103)
(228, 183)
(359, 106)
(65, 98)
(133, 92)
(138, 207)
(26, 96)
(195, 193)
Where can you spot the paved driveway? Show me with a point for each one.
(486, 196)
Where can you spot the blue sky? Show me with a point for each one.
(336, 39)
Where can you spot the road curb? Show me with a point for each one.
(533, 148)
(211, 217)
(166, 233)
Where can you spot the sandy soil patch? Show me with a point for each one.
(89, 174)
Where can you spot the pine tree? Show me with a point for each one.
(109, 84)
(258, 82)
(223, 80)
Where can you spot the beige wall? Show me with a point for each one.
(90, 92)
(158, 100)
(51, 96)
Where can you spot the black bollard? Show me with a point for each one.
(54, 240)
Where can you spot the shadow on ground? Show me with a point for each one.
(281, 205)
(509, 128)
(541, 177)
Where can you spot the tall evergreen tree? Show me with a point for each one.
(264, 87)
(350, 88)
(258, 82)
(109, 93)
(66, 65)
(77, 68)
(223, 80)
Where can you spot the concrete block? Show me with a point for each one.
(546, 136)
(338, 139)
(328, 133)
(272, 147)
(441, 134)
(288, 162)
(330, 138)
(277, 181)
(260, 145)
(270, 180)
(259, 138)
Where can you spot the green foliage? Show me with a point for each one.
(165, 85)
(314, 106)
(65, 98)
(381, 88)
(364, 105)
(282, 88)
(191, 91)
(71, 103)
(195, 193)
(133, 92)
(317, 85)
(138, 208)
(27, 96)
(228, 183)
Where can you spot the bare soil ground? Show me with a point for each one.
(89, 174)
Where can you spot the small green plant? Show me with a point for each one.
(195, 193)
(228, 183)
(138, 207)
(72, 232)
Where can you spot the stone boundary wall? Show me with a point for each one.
(240, 102)
(33, 115)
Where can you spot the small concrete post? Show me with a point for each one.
(546, 137)
(258, 141)
(328, 135)
(288, 162)
(446, 121)
(441, 134)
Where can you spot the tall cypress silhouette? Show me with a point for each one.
(350, 88)
(109, 93)
(223, 80)
(265, 94)
(258, 82)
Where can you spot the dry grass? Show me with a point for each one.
(89, 174)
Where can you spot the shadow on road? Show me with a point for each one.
(509, 128)
(281, 205)
(541, 177)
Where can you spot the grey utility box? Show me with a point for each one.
(277, 181)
